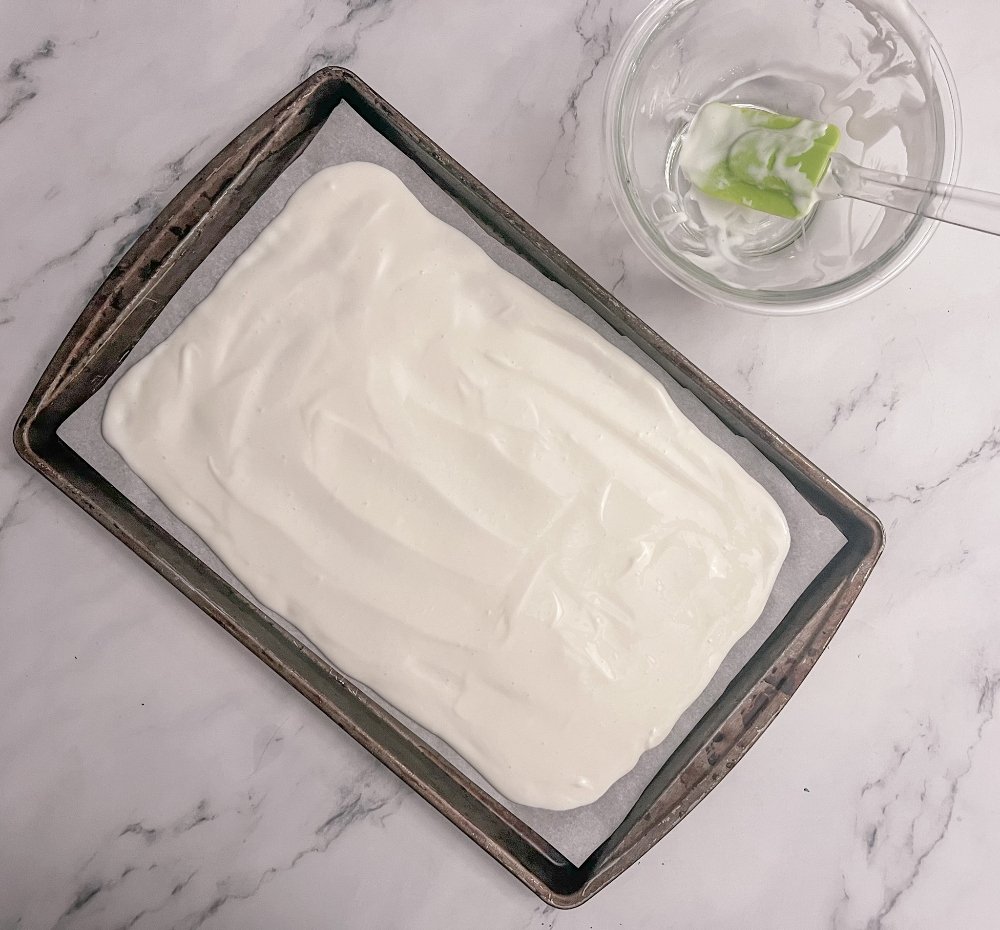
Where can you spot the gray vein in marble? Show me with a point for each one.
(842, 410)
(596, 47)
(343, 52)
(373, 799)
(11, 515)
(138, 206)
(147, 833)
(914, 496)
(747, 368)
(93, 890)
(307, 15)
(357, 804)
(950, 567)
(542, 917)
(198, 816)
(275, 738)
(88, 892)
(618, 263)
(985, 709)
(140, 212)
(878, 845)
(888, 406)
(174, 892)
(984, 452)
(860, 398)
(21, 78)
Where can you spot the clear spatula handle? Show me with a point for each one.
(960, 206)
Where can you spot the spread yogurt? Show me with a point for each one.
(462, 495)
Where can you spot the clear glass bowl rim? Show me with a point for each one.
(776, 302)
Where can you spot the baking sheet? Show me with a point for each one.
(346, 137)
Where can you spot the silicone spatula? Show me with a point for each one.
(783, 164)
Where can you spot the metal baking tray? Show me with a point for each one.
(140, 287)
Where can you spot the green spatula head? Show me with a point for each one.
(756, 158)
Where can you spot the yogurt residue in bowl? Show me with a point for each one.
(871, 68)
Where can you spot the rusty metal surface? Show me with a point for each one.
(140, 287)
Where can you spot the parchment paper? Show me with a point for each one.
(346, 137)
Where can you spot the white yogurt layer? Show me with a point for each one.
(461, 494)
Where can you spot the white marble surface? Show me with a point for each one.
(154, 774)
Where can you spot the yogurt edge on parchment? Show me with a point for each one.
(462, 495)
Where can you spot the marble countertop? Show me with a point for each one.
(154, 774)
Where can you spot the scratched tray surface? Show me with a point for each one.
(563, 856)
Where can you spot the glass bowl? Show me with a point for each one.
(870, 66)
